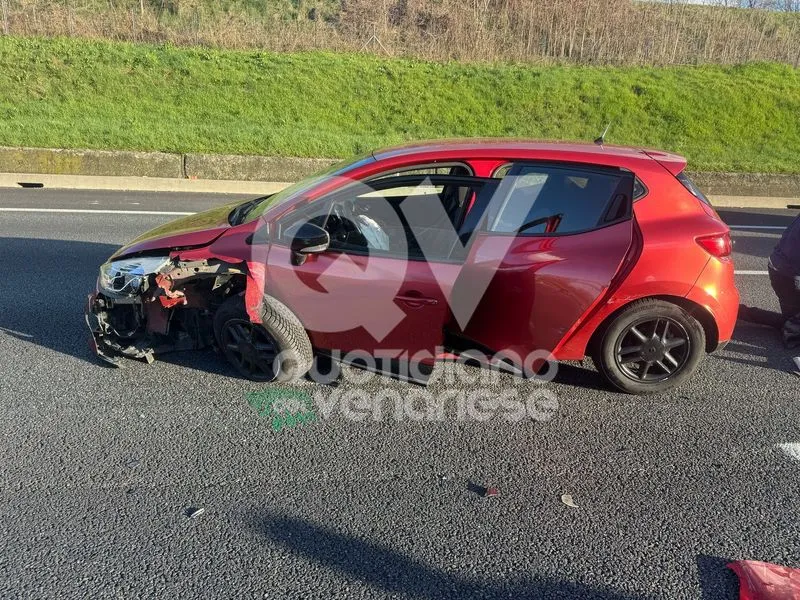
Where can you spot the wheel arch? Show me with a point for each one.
(698, 311)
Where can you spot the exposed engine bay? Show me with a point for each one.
(150, 305)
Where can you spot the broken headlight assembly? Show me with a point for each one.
(149, 305)
(129, 277)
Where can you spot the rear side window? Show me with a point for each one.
(693, 189)
(639, 190)
(540, 199)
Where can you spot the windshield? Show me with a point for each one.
(296, 189)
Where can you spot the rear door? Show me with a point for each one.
(547, 248)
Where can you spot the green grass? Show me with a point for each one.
(84, 94)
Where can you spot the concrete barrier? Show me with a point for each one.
(768, 185)
(105, 163)
(253, 168)
(101, 163)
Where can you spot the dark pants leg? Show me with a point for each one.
(787, 292)
(786, 288)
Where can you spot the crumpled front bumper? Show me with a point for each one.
(104, 342)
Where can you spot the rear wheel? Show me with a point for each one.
(277, 349)
(650, 347)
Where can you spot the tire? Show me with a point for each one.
(279, 326)
(631, 340)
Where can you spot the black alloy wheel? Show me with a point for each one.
(653, 350)
(649, 346)
(250, 349)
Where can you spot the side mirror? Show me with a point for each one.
(307, 239)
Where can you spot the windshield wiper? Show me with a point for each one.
(239, 214)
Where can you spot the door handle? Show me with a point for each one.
(414, 299)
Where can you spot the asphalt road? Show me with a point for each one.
(99, 465)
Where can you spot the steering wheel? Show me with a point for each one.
(340, 222)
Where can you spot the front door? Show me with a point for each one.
(383, 286)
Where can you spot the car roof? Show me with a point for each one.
(523, 148)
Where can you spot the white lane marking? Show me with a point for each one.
(790, 449)
(16, 333)
(98, 211)
(751, 272)
(770, 227)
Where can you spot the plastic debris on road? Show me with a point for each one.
(194, 512)
(486, 492)
(567, 499)
(765, 581)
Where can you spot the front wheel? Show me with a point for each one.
(277, 349)
(650, 347)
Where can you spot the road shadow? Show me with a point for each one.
(207, 360)
(757, 243)
(43, 297)
(44, 291)
(717, 581)
(751, 340)
(577, 375)
(390, 572)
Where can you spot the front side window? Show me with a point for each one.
(543, 199)
(416, 217)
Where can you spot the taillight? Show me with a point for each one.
(718, 245)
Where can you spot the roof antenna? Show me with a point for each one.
(602, 139)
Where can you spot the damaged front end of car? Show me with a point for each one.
(149, 305)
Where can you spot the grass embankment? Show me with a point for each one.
(86, 94)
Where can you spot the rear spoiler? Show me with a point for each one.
(674, 163)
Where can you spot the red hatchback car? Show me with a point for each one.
(514, 252)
